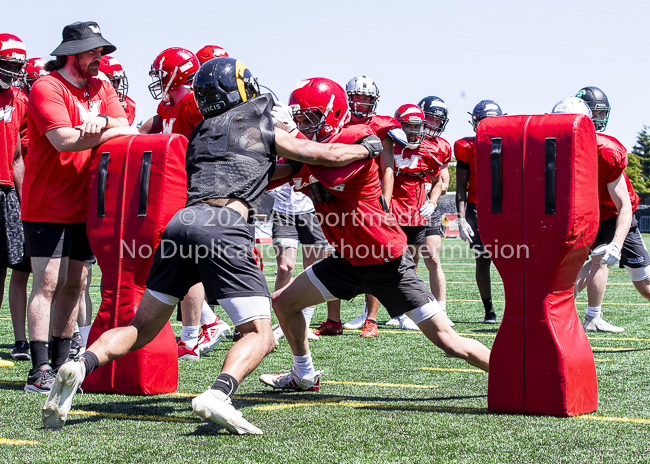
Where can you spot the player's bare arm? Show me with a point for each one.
(19, 170)
(621, 198)
(386, 164)
(152, 126)
(66, 139)
(462, 176)
(444, 179)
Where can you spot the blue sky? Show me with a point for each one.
(524, 55)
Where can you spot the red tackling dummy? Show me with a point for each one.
(537, 192)
(137, 183)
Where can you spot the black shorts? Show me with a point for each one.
(291, 229)
(634, 253)
(12, 238)
(395, 284)
(57, 240)
(434, 224)
(209, 244)
(414, 234)
(475, 242)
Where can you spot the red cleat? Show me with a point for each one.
(329, 327)
(369, 329)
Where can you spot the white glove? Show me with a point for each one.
(399, 137)
(465, 230)
(283, 116)
(427, 209)
(611, 254)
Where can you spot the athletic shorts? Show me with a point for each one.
(12, 237)
(415, 235)
(57, 240)
(634, 254)
(434, 224)
(209, 244)
(475, 242)
(396, 284)
(289, 230)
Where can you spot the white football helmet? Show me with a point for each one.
(572, 105)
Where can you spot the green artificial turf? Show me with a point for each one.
(376, 403)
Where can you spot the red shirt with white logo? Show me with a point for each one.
(411, 173)
(55, 188)
(612, 160)
(129, 110)
(354, 223)
(12, 112)
(180, 118)
(464, 151)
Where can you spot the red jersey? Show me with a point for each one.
(354, 223)
(12, 112)
(180, 118)
(411, 173)
(129, 110)
(464, 151)
(24, 138)
(380, 124)
(612, 160)
(55, 188)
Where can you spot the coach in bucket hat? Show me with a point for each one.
(80, 37)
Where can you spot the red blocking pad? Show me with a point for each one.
(537, 190)
(137, 183)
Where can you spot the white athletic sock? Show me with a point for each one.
(207, 315)
(304, 365)
(308, 313)
(593, 311)
(443, 305)
(84, 331)
(190, 335)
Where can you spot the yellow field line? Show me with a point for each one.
(7, 441)
(442, 369)
(607, 348)
(602, 360)
(615, 419)
(380, 384)
(134, 416)
(579, 302)
(588, 338)
(5, 318)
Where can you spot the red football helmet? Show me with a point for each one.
(210, 51)
(324, 106)
(13, 61)
(413, 122)
(171, 69)
(35, 70)
(115, 73)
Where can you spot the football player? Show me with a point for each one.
(238, 130)
(13, 107)
(466, 205)
(619, 239)
(172, 73)
(371, 252)
(116, 74)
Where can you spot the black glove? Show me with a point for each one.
(319, 194)
(372, 143)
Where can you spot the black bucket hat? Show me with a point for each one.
(81, 37)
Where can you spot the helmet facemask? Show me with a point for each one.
(310, 122)
(600, 117)
(414, 130)
(12, 71)
(363, 110)
(435, 123)
(120, 84)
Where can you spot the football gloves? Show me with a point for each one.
(372, 143)
(465, 230)
(611, 254)
(283, 116)
(427, 209)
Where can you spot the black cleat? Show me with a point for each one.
(40, 380)
(21, 352)
(490, 317)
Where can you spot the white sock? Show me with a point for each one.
(207, 315)
(593, 311)
(190, 335)
(308, 313)
(304, 365)
(443, 305)
(85, 331)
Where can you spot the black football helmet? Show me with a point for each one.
(221, 84)
(599, 105)
(484, 109)
(434, 108)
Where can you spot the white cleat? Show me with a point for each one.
(598, 324)
(58, 404)
(311, 335)
(210, 335)
(216, 406)
(394, 322)
(291, 381)
(278, 334)
(357, 322)
(406, 323)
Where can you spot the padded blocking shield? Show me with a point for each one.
(537, 194)
(137, 183)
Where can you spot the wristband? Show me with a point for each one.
(105, 117)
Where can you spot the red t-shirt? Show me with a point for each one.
(55, 188)
(129, 110)
(24, 138)
(411, 169)
(12, 113)
(355, 224)
(612, 160)
(180, 118)
(380, 124)
(464, 151)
